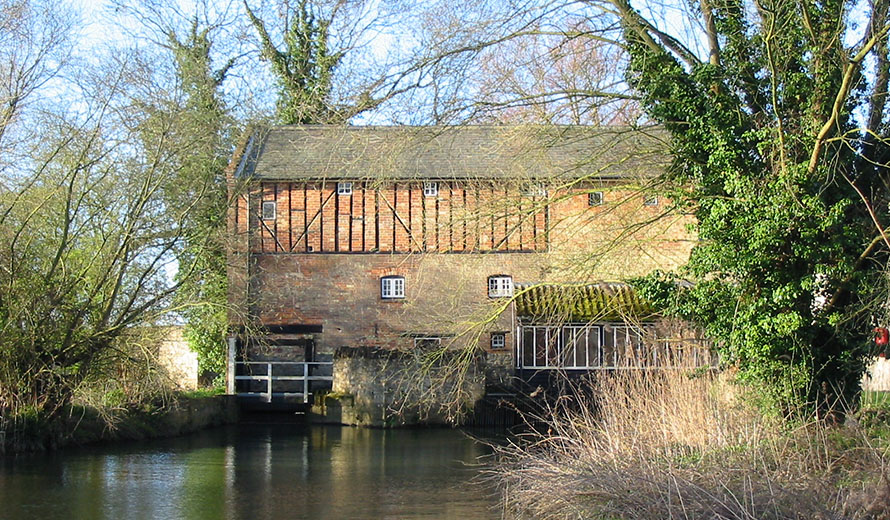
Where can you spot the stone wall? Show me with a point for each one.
(180, 363)
(386, 388)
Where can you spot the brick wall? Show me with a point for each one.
(449, 245)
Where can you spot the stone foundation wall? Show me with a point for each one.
(387, 388)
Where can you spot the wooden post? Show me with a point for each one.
(268, 382)
(305, 382)
(230, 366)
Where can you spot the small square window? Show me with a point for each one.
(392, 287)
(650, 201)
(344, 188)
(430, 189)
(269, 210)
(498, 340)
(595, 198)
(500, 286)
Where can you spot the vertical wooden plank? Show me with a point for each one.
(450, 216)
(492, 208)
(350, 214)
(377, 218)
(336, 219)
(437, 246)
(329, 216)
(400, 203)
(305, 230)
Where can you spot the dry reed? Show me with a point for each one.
(670, 444)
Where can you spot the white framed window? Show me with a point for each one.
(595, 198)
(430, 189)
(428, 342)
(344, 188)
(269, 210)
(534, 189)
(650, 201)
(498, 340)
(392, 287)
(500, 286)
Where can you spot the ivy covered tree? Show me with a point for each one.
(204, 115)
(303, 67)
(769, 157)
(195, 117)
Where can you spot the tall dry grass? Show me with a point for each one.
(668, 444)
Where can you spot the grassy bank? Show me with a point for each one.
(80, 424)
(676, 445)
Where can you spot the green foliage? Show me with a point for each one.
(207, 127)
(776, 230)
(304, 67)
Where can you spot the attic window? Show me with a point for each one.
(344, 188)
(392, 287)
(269, 210)
(650, 201)
(500, 286)
(595, 198)
(430, 189)
(498, 340)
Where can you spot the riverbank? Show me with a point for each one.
(178, 415)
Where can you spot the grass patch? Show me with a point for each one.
(875, 399)
(201, 393)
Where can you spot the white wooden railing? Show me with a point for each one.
(247, 371)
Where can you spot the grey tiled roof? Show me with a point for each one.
(453, 152)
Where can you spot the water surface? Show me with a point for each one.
(256, 471)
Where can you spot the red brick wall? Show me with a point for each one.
(447, 292)
(394, 217)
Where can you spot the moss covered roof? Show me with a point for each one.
(304, 152)
(591, 302)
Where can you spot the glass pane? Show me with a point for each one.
(593, 347)
(540, 346)
(528, 346)
(553, 347)
(569, 346)
(608, 346)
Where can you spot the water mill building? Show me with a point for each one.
(354, 245)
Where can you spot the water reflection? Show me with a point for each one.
(255, 471)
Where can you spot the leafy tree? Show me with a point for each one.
(204, 116)
(768, 157)
(199, 120)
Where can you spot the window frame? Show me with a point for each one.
(534, 190)
(592, 196)
(344, 188)
(501, 338)
(431, 189)
(269, 204)
(500, 290)
(391, 289)
(650, 201)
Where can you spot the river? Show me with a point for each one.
(256, 471)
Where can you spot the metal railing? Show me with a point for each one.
(280, 378)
